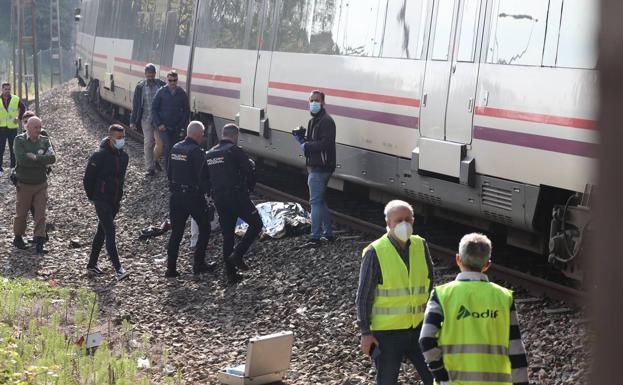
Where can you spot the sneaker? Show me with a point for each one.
(157, 167)
(328, 238)
(18, 242)
(95, 270)
(238, 262)
(204, 268)
(171, 274)
(122, 274)
(234, 278)
(150, 172)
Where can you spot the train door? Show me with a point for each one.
(258, 37)
(464, 73)
(438, 68)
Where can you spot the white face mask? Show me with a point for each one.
(402, 231)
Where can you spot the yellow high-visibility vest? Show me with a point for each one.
(399, 303)
(474, 336)
(7, 117)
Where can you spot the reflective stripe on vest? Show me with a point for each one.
(399, 303)
(7, 117)
(474, 337)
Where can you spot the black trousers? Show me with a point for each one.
(106, 214)
(230, 208)
(7, 134)
(181, 206)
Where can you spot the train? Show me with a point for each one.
(481, 111)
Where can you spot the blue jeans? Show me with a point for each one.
(166, 137)
(394, 346)
(320, 216)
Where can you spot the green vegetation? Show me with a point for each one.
(40, 326)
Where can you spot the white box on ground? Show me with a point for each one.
(268, 360)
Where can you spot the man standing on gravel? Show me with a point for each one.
(232, 175)
(189, 183)
(170, 112)
(103, 183)
(471, 333)
(319, 149)
(141, 117)
(33, 153)
(10, 114)
(395, 280)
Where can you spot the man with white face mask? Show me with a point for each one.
(394, 284)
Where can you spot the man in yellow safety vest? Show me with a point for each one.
(10, 116)
(471, 334)
(395, 280)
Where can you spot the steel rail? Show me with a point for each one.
(534, 285)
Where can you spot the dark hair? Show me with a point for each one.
(28, 114)
(150, 68)
(230, 130)
(6, 84)
(172, 74)
(318, 92)
(115, 128)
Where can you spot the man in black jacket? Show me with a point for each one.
(189, 183)
(144, 94)
(232, 175)
(103, 183)
(319, 149)
(170, 111)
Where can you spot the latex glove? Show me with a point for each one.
(300, 139)
(303, 146)
(31, 156)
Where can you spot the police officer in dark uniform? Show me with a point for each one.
(189, 182)
(232, 176)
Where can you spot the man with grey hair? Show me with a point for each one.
(33, 154)
(232, 175)
(189, 183)
(395, 279)
(472, 315)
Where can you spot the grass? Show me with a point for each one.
(40, 325)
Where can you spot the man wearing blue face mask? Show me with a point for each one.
(103, 183)
(319, 149)
(394, 284)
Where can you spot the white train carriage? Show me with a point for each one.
(483, 110)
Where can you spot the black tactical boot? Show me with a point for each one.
(40, 241)
(18, 242)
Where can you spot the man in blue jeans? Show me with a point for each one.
(319, 149)
(170, 112)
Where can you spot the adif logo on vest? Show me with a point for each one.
(464, 313)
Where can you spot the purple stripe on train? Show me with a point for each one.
(350, 112)
(565, 146)
(225, 92)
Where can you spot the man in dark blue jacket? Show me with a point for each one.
(170, 112)
(144, 94)
(103, 183)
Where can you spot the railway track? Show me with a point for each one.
(534, 285)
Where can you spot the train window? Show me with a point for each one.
(105, 14)
(443, 28)
(468, 31)
(405, 29)
(517, 32)
(553, 31)
(358, 30)
(577, 44)
(222, 24)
